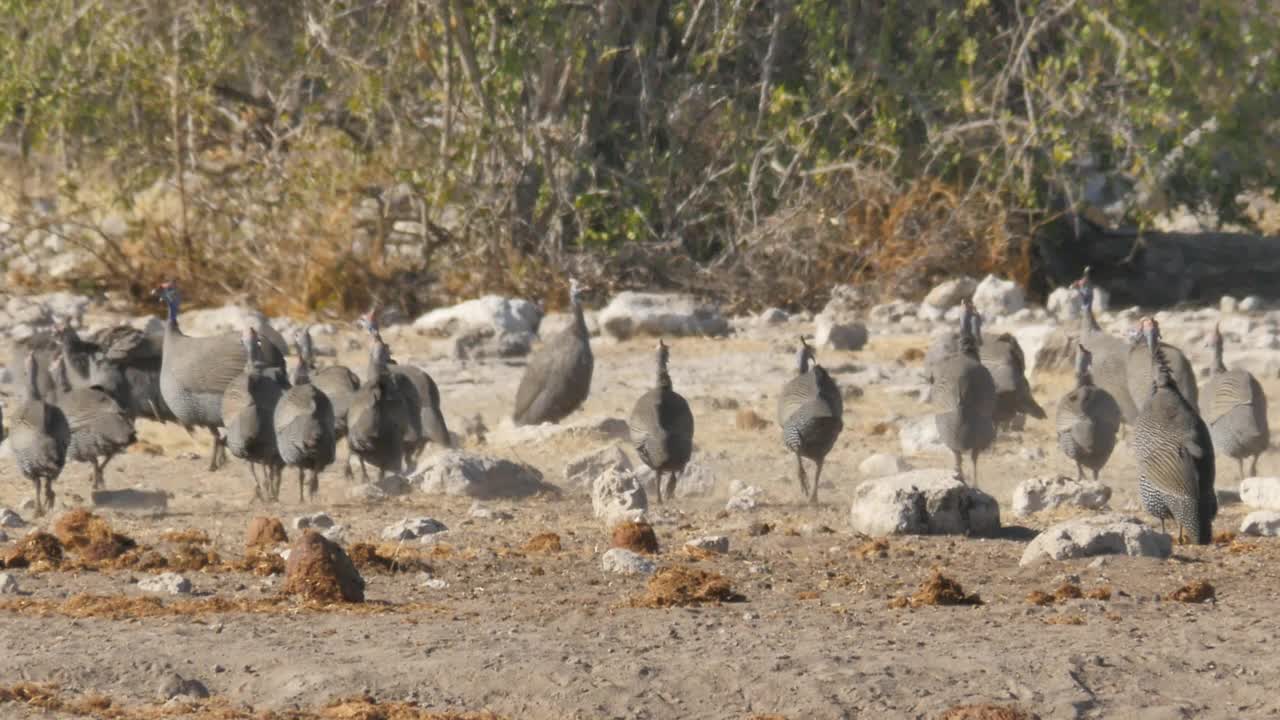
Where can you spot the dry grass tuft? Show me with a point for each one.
(1099, 593)
(1067, 591)
(937, 590)
(547, 542)
(636, 537)
(260, 562)
(37, 551)
(1197, 591)
(1065, 620)
(873, 548)
(1224, 537)
(388, 558)
(265, 531)
(1039, 597)
(369, 709)
(91, 536)
(748, 419)
(987, 712)
(189, 535)
(680, 586)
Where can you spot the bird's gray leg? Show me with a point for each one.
(257, 484)
(102, 473)
(959, 466)
(671, 485)
(975, 468)
(1253, 466)
(39, 500)
(364, 472)
(817, 476)
(302, 481)
(1095, 476)
(314, 488)
(804, 481)
(1241, 461)
(48, 493)
(1079, 472)
(657, 485)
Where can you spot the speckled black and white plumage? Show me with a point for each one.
(1235, 409)
(811, 414)
(557, 379)
(304, 429)
(39, 436)
(1002, 356)
(378, 416)
(249, 407)
(1087, 420)
(100, 427)
(1174, 452)
(965, 394)
(661, 427)
(1110, 362)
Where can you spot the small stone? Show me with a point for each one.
(662, 315)
(1099, 535)
(995, 297)
(1261, 492)
(950, 292)
(618, 496)
(626, 562)
(882, 465)
(742, 497)
(176, 686)
(460, 473)
(581, 472)
(482, 512)
(771, 316)
(412, 529)
(1054, 491)
(1252, 303)
(11, 519)
(8, 584)
(435, 584)
(839, 332)
(923, 502)
(710, 543)
(166, 583)
(315, 521)
(919, 435)
(1228, 304)
(1098, 563)
(1264, 523)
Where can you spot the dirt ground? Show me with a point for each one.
(537, 634)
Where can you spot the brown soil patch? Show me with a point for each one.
(91, 536)
(748, 419)
(547, 542)
(1067, 591)
(636, 537)
(1195, 592)
(1099, 593)
(265, 531)
(37, 551)
(678, 586)
(129, 607)
(260, 562)
(938, 590)
(1039, 597)
(987, 712)
(911, 354)
(318, 569)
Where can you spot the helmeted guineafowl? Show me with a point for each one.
(249, 407)
(661, 427)
(378, 416)
(1110, 362)
(557, 379)
(1174, 450)
(966, 395)
(1004, 359)
(304, 429)
(422, 400)
(947, 345)
(1088, 419)
(337, 382)
(195, 371)
(100, 427)
(811, 413)
(1141, 373)
(1235, 409)
(39, 436)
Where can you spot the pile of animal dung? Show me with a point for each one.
(680, 586)
(265, 531)
(91, 536)
(37, 551)
(987, 712)
(320, 570)
(938, 590)
(1195, 592)
(636, 537)
(388, 558)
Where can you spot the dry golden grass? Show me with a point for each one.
(188, 535)
(36, 551)
(90, 536)
(748, 419)
(1099, 593)
(49, 698)
(1067, 591)
(547, 542)
(1197, 591)
(679, 586)
(872, 549)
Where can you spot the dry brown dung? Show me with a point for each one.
(265, 531)
(636, 537)
(318, 569)
(678, 586)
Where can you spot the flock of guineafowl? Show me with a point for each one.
(82, 396)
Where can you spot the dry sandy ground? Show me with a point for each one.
(549, 635)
